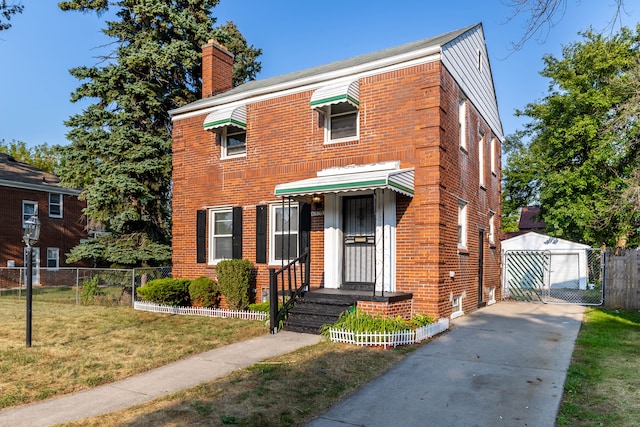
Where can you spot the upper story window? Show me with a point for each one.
(55, 205)
(339, 105)
(341, 122)
(233, 142)
(481, 143)
(462, 122)
(493, 150)
(29, 209)
(230, 123)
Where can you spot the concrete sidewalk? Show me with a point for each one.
(145, 387)
(503, 365)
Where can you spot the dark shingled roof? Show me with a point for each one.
(440, 40)
(530, 219)
(15, 171)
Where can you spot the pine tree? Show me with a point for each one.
(120, 150)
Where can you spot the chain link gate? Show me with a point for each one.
(554, 277)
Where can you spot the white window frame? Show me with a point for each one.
(224, 138)
(273, 232)
(492, 228)
(26, 216)
(481, 143)
(456, 306)
(328, 115)
(213, 237)
(53, 254)
(462, 122)
(493, 155)
(51, 203)
(462, 224)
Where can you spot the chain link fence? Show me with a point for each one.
(103, 286)
(554, 277)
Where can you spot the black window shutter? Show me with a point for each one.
(236, 241)
(201, 236)
(305, 227)
(261, 234)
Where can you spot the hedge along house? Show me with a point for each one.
(385, 166)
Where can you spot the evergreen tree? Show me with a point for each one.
(120, 150)
(582, 148)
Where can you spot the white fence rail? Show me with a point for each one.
(389, 339)
(200, 311)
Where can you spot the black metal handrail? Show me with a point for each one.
(287, 284)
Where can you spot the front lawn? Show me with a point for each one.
(78, 347)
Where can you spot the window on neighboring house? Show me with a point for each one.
(479, 64)
(492, 227)
(462, 224)
(462, 122)
(220, 235)
(341, 122)
(55, 205)
(283, 238)
(53, 258)
(481, 143)
(493, 155)
(28, 210)
(233, 141)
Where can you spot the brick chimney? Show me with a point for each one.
(217, 69)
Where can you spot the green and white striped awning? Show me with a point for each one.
(336, 93)
(399, 180)
(234, 116)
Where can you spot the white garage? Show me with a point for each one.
(566, 261)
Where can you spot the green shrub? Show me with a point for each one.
(361, 322)
(90, 291)
(234, 281)
(204, 292)
(262, 307)
(174, 292)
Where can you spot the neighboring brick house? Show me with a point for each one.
(388, 164)
(25, 191)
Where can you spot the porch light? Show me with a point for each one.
(30, 237)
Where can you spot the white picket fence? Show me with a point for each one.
(389, 339)
(200, 311)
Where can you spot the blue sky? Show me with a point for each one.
(44, 43)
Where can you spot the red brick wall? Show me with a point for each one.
(387, 309)
(63, 233)
(407, 115)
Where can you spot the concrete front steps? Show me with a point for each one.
(315, 309)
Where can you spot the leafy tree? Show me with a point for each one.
(6, 11)
(578, 155)
(120, 150)
(43, 156)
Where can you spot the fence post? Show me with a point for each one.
(273, 301)
(77, 285)
(133, 287)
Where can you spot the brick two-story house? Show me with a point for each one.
(25, 191)
(387, 165)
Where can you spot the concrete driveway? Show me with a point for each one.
(503, 365)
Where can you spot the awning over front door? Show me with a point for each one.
(399, 180)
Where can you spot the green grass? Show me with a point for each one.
(288, 390)
(603, 381)
(79, 347)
